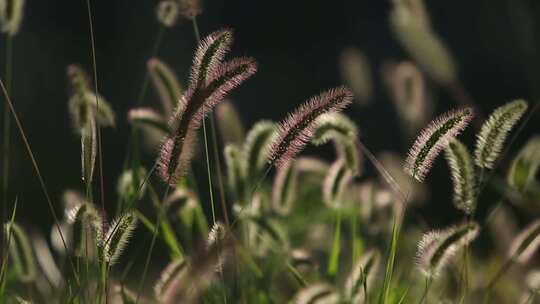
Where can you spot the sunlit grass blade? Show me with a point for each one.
(390, 260)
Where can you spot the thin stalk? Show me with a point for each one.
(296, 274)
(133, 140)
(210, 188)
(429, 280)
(255, 188)
(207, 156)
(39, 176)
(170, 239)
(7, 134)
(502, 270)
(217, 160)
(146, 79)
(94, 65)
(465, 271)
(152, 243)
(333, 264)
(356, 239)
(392, 251)
(3, 269)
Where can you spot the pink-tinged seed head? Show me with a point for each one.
(435, 138)
(209, 55)
(297, 129)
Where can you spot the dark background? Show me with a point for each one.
(296, 44)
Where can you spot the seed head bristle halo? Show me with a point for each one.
(435, 240)
(419, 171)
(463, 176)
(215, 61)
(494, 131)
(210, 81)
(300, 124)
(246, 67)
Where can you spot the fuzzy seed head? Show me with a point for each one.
(167, 12)
(494, 131)
(148, 118)
(11, 16)
(209, 55)
(174, 269)
(434, 138)
(356, 72)
(298, 128)
(166, 84)
(319, 293)
(117, 237)
(526, 243)
(525, 166)
(438, 248)
(229, 123)
(463, 176)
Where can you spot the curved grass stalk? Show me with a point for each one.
(285, 188)
(256, 147)
(338, 177)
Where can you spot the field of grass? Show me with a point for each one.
(277, 225)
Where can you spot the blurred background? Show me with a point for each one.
(297, 45)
